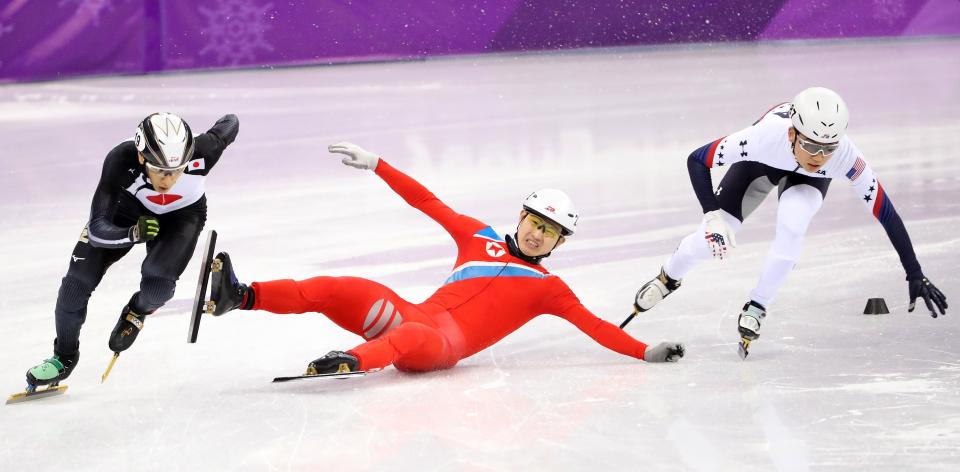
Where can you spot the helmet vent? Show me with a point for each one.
(820, 114)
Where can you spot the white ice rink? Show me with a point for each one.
(825, 387)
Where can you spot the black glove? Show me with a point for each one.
(932, 296)
(226, 128)
(146, 229)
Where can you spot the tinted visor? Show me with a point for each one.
(813, 147)
(173, 171)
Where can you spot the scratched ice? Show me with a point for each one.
(824, 388)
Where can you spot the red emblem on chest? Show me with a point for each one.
(164, 198)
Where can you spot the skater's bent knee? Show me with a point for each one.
(154, 292)
(73, 294)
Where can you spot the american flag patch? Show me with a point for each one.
(857, 169)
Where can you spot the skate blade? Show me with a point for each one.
(333, 375)
(201, 304)
(36, 395)
(109, 367)
(742, 348)
(630, 317)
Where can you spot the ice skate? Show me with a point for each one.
(334, 362)
(53, 370)
(47, 374)
(126, 330)
(749, 326)
(226, 293)
(654, 291)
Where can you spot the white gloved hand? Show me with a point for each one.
(718, 235)
(664, 352)
(356, 156)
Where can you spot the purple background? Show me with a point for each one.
(60, 38)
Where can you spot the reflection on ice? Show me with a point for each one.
(824, 388)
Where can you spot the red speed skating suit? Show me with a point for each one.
(488, 296)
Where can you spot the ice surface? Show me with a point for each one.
(825, 387)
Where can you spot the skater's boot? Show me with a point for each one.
(225, 291)
(654, 291)
(51, 371)
(127, 328)
(335, 362)
(749, 320)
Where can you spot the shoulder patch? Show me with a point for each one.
(857, 169)
(196, 165)
(489, 233)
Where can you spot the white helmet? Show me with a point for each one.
(555, 206)
(820, 114)
(165, 140)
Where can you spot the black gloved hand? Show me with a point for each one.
(226, 128)
(147, 228)
(931, 295)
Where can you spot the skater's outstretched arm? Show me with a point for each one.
(611, 337)
(210, 145)
(606, 334)
(869, 190)
(566, 305)
(415, 194)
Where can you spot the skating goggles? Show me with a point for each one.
(176, 171)
(813, 148)
(550, 231)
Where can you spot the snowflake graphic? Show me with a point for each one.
(235, 30)
(91, 7)
(888, 11)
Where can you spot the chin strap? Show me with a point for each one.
(515, 251)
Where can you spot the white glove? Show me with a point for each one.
(664, 352)
(356, 156)
(718, 234)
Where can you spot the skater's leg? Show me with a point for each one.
(693, 250)
(71, 313)
(798, 205)
(410, 347)
(740, 192)
(167, 258)
(361, 306)
(87, 267)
